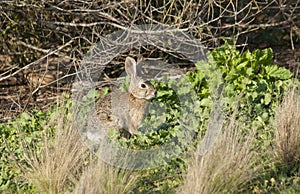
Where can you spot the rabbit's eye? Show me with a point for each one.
(143, 85)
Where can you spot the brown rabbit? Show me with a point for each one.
(126, 109)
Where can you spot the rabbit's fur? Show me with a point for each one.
(126, 109)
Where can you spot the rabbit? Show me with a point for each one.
(126, 110)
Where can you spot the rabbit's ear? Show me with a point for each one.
(130, 67)
(139, 59)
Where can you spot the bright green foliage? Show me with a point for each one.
(251, 83)
(24, 131)
(21, 135)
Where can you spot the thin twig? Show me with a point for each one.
(39, 60)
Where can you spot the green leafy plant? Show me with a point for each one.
(252, 84)
(27, 130)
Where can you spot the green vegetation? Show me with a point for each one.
(258, 149)
(27, 130)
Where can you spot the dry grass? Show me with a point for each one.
(230, 163)
(56, 166)
(287, 129)
(100, 177)
(65, 163)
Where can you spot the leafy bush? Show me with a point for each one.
(251, 86)
(249, 78)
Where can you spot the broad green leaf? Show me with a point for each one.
(268, 98)
(278, 72)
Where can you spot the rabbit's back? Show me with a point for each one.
(121, 110)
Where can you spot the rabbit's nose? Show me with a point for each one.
(155, 93)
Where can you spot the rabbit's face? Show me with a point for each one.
(139, 88)
(142, 89)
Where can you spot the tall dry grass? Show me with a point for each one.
(55, 167)
(65, 165)
(230, 163)
(287, 129)
(100, 177)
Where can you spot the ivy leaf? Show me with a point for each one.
(264, 56)
(278, 72)
(268, 98)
